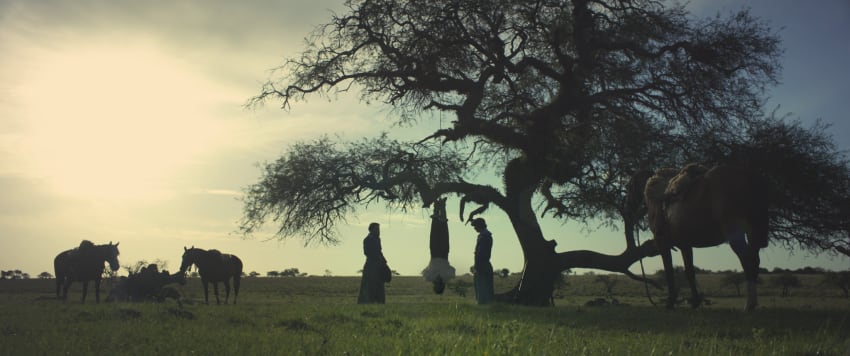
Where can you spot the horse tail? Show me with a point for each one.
(237, 276)
(759, 211)
(60, 271)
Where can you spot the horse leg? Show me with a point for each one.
(749, 257)
(226, 291)
(206, 291)
(85, 290)
(97, 290)
(215, 289)
(236, 281)
(65, 286)
(752, 274)
(688, 259)
(672, 293)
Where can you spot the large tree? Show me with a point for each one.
(809, 181)
(565, 100)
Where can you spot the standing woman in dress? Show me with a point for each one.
(372, 284)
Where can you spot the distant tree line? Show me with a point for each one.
(785, 279)
(289, 272)
(775, 270)
(18, 274)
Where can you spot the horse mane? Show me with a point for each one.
(213, 253)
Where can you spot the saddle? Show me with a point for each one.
(684, 181)
(668, 185)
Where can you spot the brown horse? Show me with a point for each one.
(83, 264)
(699, 207)
(214, 266)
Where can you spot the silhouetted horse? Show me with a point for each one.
(83, 264)
(699, 207)
(214, 266)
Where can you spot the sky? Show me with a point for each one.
(124, 121)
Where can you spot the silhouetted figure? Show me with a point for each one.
(148, 284)
(372, 289)
(483, 277)
(439, 271)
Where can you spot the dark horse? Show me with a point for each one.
(214, 266)
(83, 264)
(698, 207)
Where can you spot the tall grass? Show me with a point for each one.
(318, 315)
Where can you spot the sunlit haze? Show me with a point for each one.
(116, 122)
(124, 122)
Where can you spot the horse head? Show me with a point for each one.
(112, 255)
(190, 256)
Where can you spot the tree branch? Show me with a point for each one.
(619, 263)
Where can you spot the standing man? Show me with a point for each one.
(372, 284)
(483, 269)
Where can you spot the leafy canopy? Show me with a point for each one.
(566, 100)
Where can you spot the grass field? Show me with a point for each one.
(318, 315)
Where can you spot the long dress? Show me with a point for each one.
(439, 271)
(483, 278)
(372, 284)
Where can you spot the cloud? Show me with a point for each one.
(221, 52)
(27, 197)
(224, 192)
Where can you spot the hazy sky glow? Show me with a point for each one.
(123, 121)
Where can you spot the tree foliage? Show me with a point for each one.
(318, 183)
(608, 282)
(808, 179)
(735, 279)
(560, 95)
(785, 282)
(566, 101)
(810, 185)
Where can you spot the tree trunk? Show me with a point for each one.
(543, 266)
(540, 270)
(537, 284)
(540, 273)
